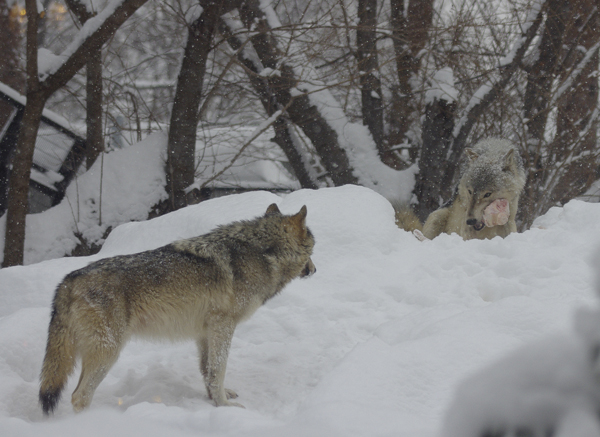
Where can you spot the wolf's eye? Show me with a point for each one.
(487, 194)
(470, 192)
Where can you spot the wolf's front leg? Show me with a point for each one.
(214, 350)
(436, 223)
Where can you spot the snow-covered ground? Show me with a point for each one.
(374, 344)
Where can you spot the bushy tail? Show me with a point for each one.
(406, 219)
(59, 360)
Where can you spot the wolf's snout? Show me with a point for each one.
(477, 225)
(308, 269)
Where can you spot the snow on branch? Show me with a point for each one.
(442, 87)
(58, 70)
(355, 139)
(489, 91)
(575, 73)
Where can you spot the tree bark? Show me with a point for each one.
(430, 186)
(536, 105)
(543, 72)
(410, 27)
(11, 73)
(94, 144)
(188, 95)
(575, 144)
(18, 189)
(368, 70)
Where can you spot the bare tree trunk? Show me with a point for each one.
(536, 105)
(437, 136)
(575, 144)
(10, 40)
(18, 191)
(11, 74)
(37, 94)
(300, 110)
(188, 95)
(94, 144)
(411, 24)
(370, 84)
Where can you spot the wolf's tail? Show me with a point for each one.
(406, 219)
(59, 360)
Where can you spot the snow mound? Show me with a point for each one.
(120, 187)
(375, 343)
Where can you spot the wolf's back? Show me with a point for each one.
(59, 360)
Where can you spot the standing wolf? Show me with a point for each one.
(199, 288)
(493, 174)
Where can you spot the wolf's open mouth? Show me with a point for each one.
(478, 226)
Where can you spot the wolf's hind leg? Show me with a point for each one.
(95, 365)
(214, 351)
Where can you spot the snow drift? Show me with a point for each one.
(375, 343)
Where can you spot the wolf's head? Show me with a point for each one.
(489, 176)
(297, 240)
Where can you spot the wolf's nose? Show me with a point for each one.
(471, 222)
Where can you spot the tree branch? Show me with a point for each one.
(94, 34)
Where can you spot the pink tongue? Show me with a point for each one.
(496, 213)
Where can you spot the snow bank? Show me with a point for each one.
(375, 343)
(120, 187)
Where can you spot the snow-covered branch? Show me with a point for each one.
(354, 139)
(489, 91)
(93, 34)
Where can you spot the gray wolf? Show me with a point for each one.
(199, 288)
(493, 170)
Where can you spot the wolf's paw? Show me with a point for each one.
(225, 403)
(230, 394)
(419, 235)
(235, 404)
(79, 403)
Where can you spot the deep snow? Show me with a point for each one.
(375, 343)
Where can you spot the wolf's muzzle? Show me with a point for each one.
(308, 269)
(478, 226)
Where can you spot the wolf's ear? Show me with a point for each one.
(471, 154)
(273, 210)
(299, 220)
(508, 162)
(302, 213)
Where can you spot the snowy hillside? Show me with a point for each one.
(374, 344)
